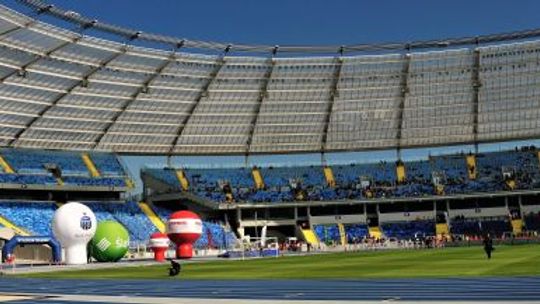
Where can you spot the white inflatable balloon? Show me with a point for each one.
(74, 225)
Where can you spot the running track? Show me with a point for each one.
(477, 289)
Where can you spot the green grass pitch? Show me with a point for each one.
(523, 260)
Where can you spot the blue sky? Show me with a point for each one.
(309, 22)
(313, 21)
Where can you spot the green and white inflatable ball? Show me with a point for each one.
(110, 243)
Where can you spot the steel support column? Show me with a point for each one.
(404, 91)
(34, 60)
(476, 84)
(263, 94)
(334, 93)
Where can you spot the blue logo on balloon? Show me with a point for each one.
(86, 222)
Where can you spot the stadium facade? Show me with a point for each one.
(66, 91)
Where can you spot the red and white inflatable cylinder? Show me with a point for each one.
(184, 228)
(159, 243)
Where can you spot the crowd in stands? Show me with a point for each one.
(436, 176)
(41, 167)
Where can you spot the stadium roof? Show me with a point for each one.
(60, 89)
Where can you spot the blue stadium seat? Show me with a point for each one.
(477, 227)
(328, 233)
(381, 176)
(532, 221)
(408, 230)
(166, 175)
(35, 217)
(356, 232)
(30, 168)
(94, 182)
(213, 235)
(107, 164)
(27, 161)
(24, 179)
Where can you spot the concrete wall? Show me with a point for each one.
(479, 212)
(406, 216)
(270, 223)
(343, 219)
(530, 208)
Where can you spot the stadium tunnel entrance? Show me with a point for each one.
(11, 245)
(282, 233)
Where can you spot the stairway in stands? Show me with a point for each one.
(152, 216)
(342, 234)
(310, 236)
(5, 165)
(375, 232)
(8, 224)
(94, 172)
(329, 176)
(400, 172)
(257, 178)
(184, 183)
(471, 166)
(517, 226)
(442, 229)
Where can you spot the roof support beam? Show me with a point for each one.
(142, 89)
(79, 83)
(404, 91)
(263, 94)
(49, 52)
(37, 12)
(334, 93)
(476, 84)
(38, 58)
(202, 93)
(11, 30)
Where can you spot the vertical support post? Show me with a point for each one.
(476, 84)
(334, 93)
(521, 214)
(404, 91)
(365, 210)
(262, 96)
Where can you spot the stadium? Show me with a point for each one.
(367, 172)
